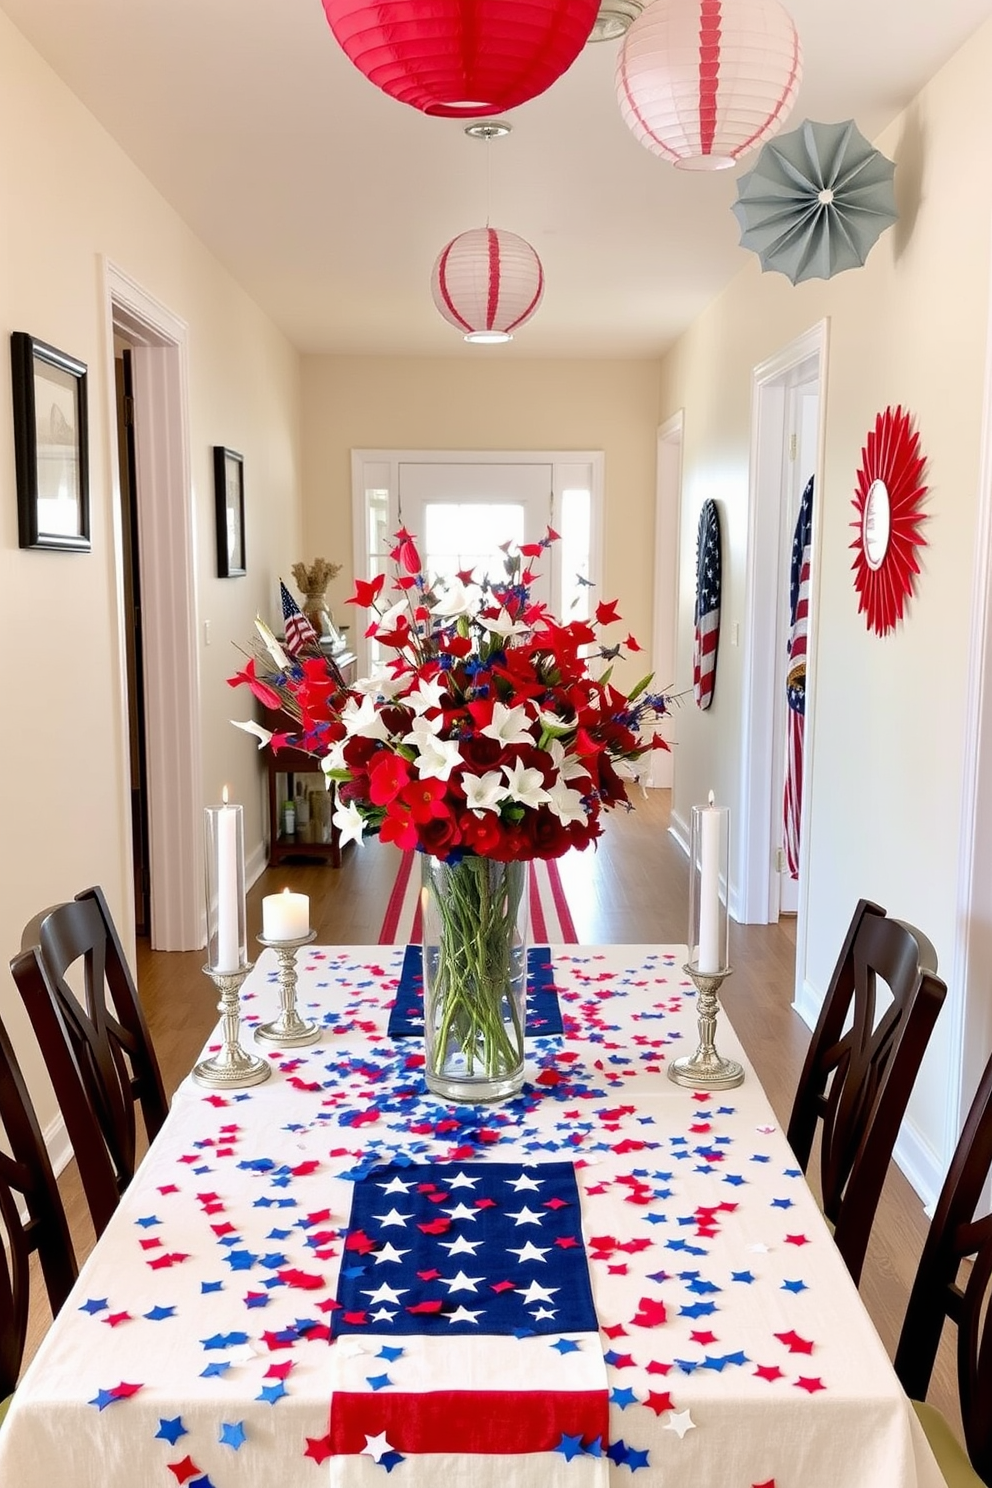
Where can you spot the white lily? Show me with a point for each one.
(437, 758)
(364, 721)
(348, 820)
(484, 792)
(524, 784)
(509, 725)
(380, 683)
(502, 625)
(456, 600)
(387, 620)
(426, 695)
(334, 759)
(263, 735)
(422, 731)
(568, 767)
(565, 803)
(273, 647)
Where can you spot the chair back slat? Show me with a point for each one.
(860, 1069)
(957, 1234)
(31, 1218)
(95, 1043)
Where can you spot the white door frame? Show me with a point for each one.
(168, 599)
(380, 468)
(761, 638)
(667, 512)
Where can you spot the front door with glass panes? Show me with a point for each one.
(463, 515)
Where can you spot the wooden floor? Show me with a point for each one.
(632, 890)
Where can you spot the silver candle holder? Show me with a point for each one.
(706, 1069)
(289, 1030)
(232, 1068)
(709, 946)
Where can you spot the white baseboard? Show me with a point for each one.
(920, 1163)
(807, 1004)
(679, 832)
(57, 1142)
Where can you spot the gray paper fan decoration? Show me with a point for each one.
(815, 201)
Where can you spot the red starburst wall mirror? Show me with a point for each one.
(887, 499)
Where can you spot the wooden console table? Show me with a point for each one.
(292, 762)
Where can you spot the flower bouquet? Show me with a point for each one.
(484, 739)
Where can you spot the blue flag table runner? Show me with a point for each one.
(406, 1017)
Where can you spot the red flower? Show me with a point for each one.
(425, 799)
(387, 778)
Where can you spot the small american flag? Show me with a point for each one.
(707, 614)
(795, 681)
(298, 630)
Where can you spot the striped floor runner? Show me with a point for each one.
(550, 917)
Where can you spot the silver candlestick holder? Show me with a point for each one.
(232, 1068)
(706, 1069)
(289, 1030)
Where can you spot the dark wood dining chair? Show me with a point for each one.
(98, 1050)
(954, 1280)
(32, 1219)
(861, 1066)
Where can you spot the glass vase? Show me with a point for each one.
(475, 977)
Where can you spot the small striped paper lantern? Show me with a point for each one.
(702, 82)
(462, 59)
(487, 282)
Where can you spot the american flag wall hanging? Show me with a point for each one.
(707, 615)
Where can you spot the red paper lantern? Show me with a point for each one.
(702, 82)
(461, 59)
(487, 283)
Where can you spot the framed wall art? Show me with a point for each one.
(229, 493)
(50, 446)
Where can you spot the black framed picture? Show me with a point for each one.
(50, 446)
(229, 492)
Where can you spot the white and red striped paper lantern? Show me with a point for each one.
(462, 59)
(702, 82)
(487, 282)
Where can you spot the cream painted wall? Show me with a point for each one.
(484, 401)
(68, 195)
(910, 329)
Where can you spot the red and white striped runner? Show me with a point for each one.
(550, 918)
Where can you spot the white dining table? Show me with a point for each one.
(333, 1276)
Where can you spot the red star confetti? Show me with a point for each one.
(769, 1372)
(659, 1402)
(794, 1343)
(184, 1470)
(318, 1448)
(810, 1385)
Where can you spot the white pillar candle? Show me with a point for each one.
(710, 954)
(285, 916)
(228, 947)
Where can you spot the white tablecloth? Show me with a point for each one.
(735, 1351)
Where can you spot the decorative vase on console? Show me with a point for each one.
(313, 582)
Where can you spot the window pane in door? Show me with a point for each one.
(468, 535)
(574, 525)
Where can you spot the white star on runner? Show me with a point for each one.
(396, 1185)
(462, 1212)
(394, 1217)
(385, 1293)
(681, 1422)
(543, 1312)
(462, 1180)
(390, 1253)
(525, 1216)
(537, 1293)
(529, 1252)
(376, 1447)
(461, 1282)
(461, 1246)
(525, 1181)
(462, 1315)
(383, 1315)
